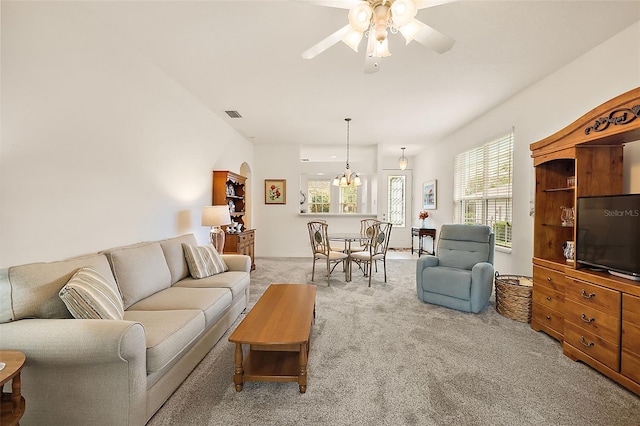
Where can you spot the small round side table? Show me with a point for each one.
(12, 404)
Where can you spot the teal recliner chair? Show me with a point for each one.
(461, 275)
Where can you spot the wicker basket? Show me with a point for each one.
(513, 296)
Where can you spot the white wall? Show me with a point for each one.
(281, 231)
(535, 113)
(99, 147)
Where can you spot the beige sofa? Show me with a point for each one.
(116, 372)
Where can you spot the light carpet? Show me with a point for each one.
(379, 356)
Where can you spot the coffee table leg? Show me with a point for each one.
(238, 374)
(302, 374)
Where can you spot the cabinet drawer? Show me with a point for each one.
(548, 317)
(548, 298)
(596, 347)
(631, 309)
(630, 365)
(548, 277)
(631, 337)
(592, 320)
(600, 298)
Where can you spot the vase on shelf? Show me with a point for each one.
(425, 223)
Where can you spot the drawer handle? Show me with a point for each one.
(587, 296)
(548, 317)
(549, 298)
(549, 279)
(587, 320)
(585, 343)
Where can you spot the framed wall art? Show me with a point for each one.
(275, 191)
(429, 195)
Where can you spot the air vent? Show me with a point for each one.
(233, 114)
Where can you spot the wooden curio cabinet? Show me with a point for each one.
(229, 189)
(591, 313)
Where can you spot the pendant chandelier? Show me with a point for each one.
(403, 161)
(347, 178)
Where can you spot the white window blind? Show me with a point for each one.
(483, 187)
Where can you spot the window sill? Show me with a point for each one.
(338, 215)
(503, 249)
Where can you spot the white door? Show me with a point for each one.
(396, 205)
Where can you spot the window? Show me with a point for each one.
(319, 196)
(349, 199)
(483, 187)
(396, 203)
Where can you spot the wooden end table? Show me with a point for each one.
(278, 332)
(423, 233)
(12, 404)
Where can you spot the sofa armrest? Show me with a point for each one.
(81, 371)
(237, 262)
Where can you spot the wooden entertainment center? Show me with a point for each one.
(596, 315)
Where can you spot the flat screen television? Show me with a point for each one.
(608, 234)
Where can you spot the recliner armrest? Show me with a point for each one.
(423, 263)
(481, 285)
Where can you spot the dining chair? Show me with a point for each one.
(365, 234)
(319, 238)
(378, 243)
(341, 247)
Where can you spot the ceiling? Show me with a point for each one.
(246, 56)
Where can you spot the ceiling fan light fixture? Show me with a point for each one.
(360, 17)
(352, 39)
(378, 49)
(410, 30)
(403, 12)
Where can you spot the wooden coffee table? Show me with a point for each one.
(12, 404)
(278, 331)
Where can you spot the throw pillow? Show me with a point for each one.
(203, 261)
(88, 295)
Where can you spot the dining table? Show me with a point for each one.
(347, 238)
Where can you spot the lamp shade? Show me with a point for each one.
(216, 216)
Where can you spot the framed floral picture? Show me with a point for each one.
(429, 195)
(275, 191)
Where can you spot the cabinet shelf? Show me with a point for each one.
(569, 188)
(228, 188)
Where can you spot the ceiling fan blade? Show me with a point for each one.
(340, 4)
(326, 43)
(433, 38)
(371, 64)
(421, 4)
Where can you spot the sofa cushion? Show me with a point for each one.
(448, 281)
(236, 281)
(88, 295)
(203, 261)
(213, 302)
(31, 291)
(174, 254)
(140, 271)
(167, 333)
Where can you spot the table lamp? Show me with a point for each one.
(215, 217)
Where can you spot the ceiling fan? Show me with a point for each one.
(375, 19)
